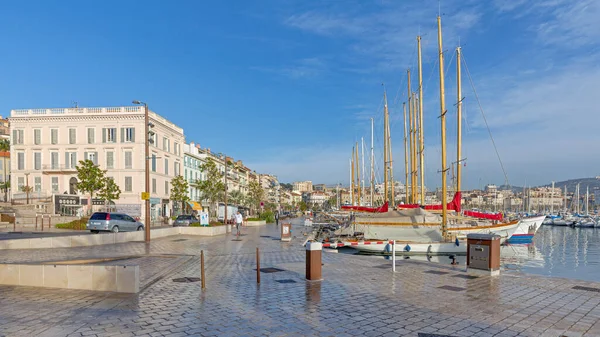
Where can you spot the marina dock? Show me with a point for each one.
(358, 296)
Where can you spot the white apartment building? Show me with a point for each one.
(193, 159)
(48, 144)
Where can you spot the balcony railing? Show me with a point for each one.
(58, 168)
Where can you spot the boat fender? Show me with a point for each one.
(407, 248)
(456, 242)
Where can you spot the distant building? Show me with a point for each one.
(303, 186)
(320, 187)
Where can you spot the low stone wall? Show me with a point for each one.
(255, 223)
(122, 279)
(106, 238)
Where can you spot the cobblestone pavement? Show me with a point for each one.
(359, 296)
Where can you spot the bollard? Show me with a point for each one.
(313, 261)
(36, 216)
(49, 221)
(394, 255)
(42, 222)
(286, 232)
(202, 269)
(257, 266)
(14, 222)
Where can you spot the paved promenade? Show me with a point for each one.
(359, 296)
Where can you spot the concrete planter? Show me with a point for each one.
(256, 223)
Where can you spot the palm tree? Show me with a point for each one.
(236, 197)
(5, 147)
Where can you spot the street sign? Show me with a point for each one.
(145, 195)
(204, 218)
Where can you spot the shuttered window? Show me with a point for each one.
(54, 136)
(127, 135)
(72, 136)
(38, 184)
(128, 160)
(54, 160)
(110, 160)
(166, 166)
(153, 185)
(128, 184)
(37, 136)
(91, 134)
(18, 137)
(20, 161)
(166, 187)
(54, 184)
(37, 161)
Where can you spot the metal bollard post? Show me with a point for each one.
(36, 217)
(49, 221)
(257, 266)
(394, 256)
(42, 222)
(202, 269)
(14, 222)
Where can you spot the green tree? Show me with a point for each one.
(110, 191)
(5, 185)
(212, 187)
(236, 197)
(179, 190)
(303, 206)
(27, 190)
(255, 194)
(90, 177)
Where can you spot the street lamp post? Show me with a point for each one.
(27, 186)
(147, 169)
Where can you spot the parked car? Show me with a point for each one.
(113, 222)
(186, 220)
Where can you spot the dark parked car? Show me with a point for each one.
(186, 220)
(113, 222)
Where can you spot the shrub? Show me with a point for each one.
(268, 216)
(75, 224)
(253, 219)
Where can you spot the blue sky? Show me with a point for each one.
(288, 86)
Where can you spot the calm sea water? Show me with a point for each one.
(560, 252)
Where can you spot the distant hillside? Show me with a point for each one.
(593, 183)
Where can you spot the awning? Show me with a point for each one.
(195, 206)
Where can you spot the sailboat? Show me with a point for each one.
(417, 229)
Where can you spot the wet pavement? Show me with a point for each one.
(359, 296)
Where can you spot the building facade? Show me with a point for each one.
(303, 186)
(48, 144)
(193, 159)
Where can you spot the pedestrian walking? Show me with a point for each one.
(238, 222)
(276, 218)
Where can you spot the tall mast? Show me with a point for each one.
(362, 140)
(410, 139)
(390, 157)
(385, 153)
(458, 121)
(414, 149)
(357, 174)
(587, 200)
(405, 155)
(578, 210)
(565, 198)
(552, 199)
(372, 167)
(443, 127)
(352, 178)
(421, 130)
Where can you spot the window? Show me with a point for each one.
(38, 184)
(153, 163)
(72, 136)
(153, 139)
(128, 159)
(54, 160)
(110, 160)
(176, 168)
(176, 148)
(109, 135)
(20, 183)
(54, 184)
(128, 184)
(166, 188)
(17, 137)
(54, 136)
(166, 166)
(93, 156)
(91, 135)
(37, 161)
(127, 135)
(20, 161)
(37, 136)
(71, 160)
(165, 140)
(185, 174)
(153, 185)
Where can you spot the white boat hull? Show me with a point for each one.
(527, 229)
(419, 248)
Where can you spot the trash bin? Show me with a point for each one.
(286, 232)
(483, 254)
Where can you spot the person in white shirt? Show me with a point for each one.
(238, 221)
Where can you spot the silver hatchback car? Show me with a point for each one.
(113, 222)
